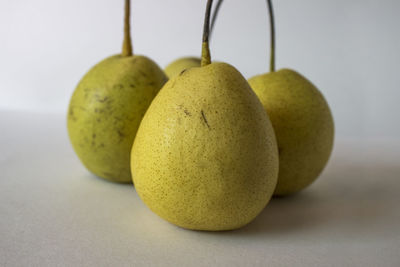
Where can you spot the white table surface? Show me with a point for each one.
(54, 213)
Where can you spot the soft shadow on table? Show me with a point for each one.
(90, 175)
(347, 193)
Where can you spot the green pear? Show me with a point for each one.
(106, 108)
(302, 121)
(177, 66)
(205, 156)
(303, 126)
(181, 64)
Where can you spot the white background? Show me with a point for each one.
(349, 49)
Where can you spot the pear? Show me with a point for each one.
(106, 109)
(205, 156)
(302, 121)
(303, 126)
(177, 66)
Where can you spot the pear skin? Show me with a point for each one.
(205, 156)
(303, 125)
(181, 64)
(105, 112)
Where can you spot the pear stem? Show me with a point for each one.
(127, 44)
(272, 27)
(205, 50)
(214, 16)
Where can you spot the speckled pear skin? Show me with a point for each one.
(205, 156)
(105, 112)
(303, 126)
(181, 64)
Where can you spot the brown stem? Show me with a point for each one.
(214, 16)
(272, 29)
(127, 44)
(205, 51)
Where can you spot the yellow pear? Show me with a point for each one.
(302, 121)
(106, 109)
(303, 126)
(176, 67)
(205, 156)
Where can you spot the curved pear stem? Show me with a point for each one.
(205, 50)
(127, 44)
(214, 16)
(272, 26)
